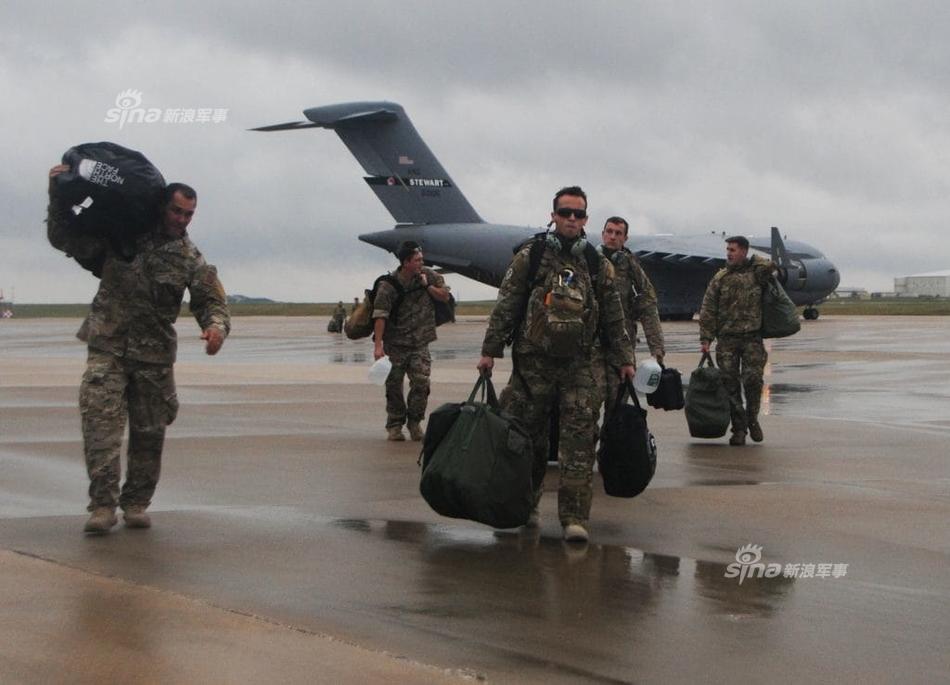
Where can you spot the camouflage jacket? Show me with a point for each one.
(732, 304)
(413, 324)
(637, 296)
(518, 303)
(138, 302)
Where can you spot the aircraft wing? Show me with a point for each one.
(704, 250)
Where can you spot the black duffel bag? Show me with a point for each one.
(110, 191)
(626, 457)
(669, 393)
(476, 462)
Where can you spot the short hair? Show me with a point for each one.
(407, 249)
(186, 190)
(618, 220)
(739, 240)
(569, 190)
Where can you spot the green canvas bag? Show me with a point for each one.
(707, 402)
(480, 469)
(779, 316)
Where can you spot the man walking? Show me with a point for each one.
(638, 298)
(557, 294)
(403, 327)
(132, 347)
(731, 314)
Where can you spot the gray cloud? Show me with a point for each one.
(825, 120)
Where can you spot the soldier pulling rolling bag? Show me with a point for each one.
(476, 462)
(627, 455)
(707, 402)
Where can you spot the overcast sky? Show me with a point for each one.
(829, 120)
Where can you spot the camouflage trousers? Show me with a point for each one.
(741, 360)
(608, 381)
(538, 386)
(113, 388)
(416, 363)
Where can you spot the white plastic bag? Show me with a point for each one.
(379, 371)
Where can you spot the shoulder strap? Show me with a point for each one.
(400, 293)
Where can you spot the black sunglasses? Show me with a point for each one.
(565, 212)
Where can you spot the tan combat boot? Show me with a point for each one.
(415, 431)
(135, 517)
(395, 434)
(101, 520)
(575, 532)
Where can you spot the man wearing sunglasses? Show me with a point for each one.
(557, 297)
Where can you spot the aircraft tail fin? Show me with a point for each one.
(405, 175)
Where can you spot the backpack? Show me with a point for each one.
(359, 324)
(626, 457)
(707, 402)
(558, 325)
(669, 393)
(476, 462)
(779, 316)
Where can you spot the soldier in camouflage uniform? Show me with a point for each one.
(403, 327)
(554, 320)
(638, 298)
(732, 315)
(132, 346)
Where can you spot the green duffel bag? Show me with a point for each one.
(480, 468)
(707, 402)
(779, 315)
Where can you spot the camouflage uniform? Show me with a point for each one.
(732, 314)
(409, 330)
(132, 347)
(638, 298)
(541, 381)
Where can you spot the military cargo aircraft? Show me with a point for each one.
(429, 208)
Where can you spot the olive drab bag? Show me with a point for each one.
(476, 462)
(707, 402)
(779, 316)
(626, 457)
(558, 325)
(359, 324)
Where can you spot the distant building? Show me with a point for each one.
(851, 294)
(932, 284)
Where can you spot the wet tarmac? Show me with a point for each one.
(290, 543)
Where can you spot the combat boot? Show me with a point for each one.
(395, 434)
(575, 532)
(755, 431)
(101, 520)
(135, 517)
(415, 431)
(738, 438)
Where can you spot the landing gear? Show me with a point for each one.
(810, 313)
